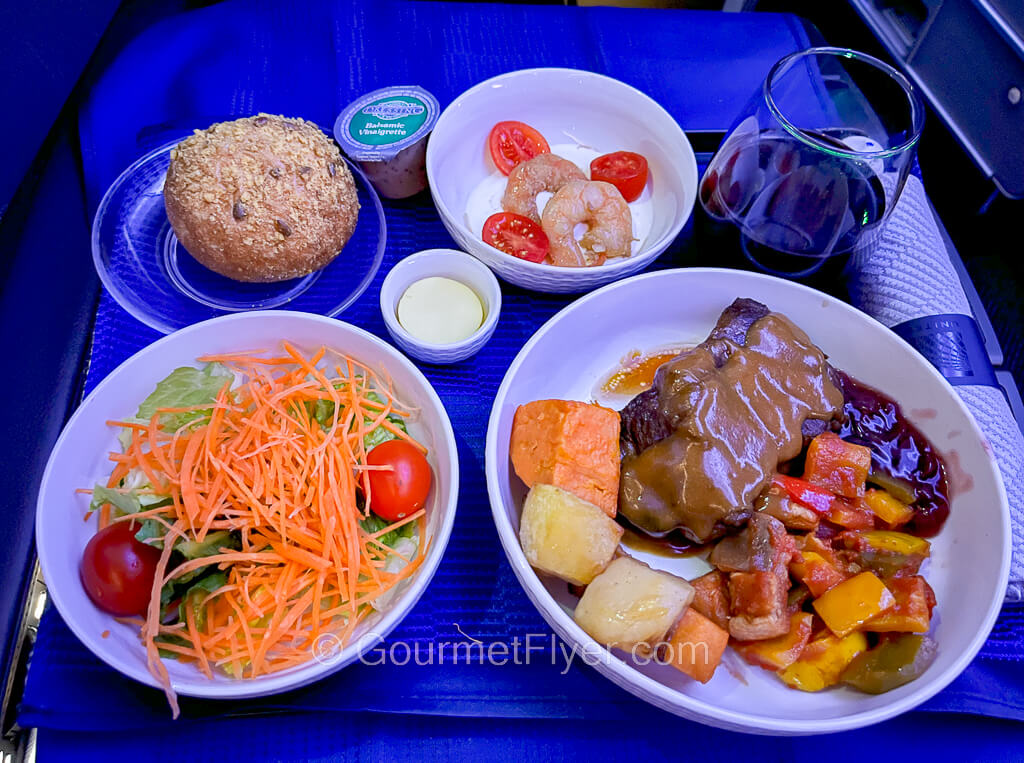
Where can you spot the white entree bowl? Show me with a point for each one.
(567, 106)
(573, 354)
(79, 460)
(444, 263)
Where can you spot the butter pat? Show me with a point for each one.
(440, 310)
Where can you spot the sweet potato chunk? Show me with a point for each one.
(569, 444)
(836, 465)
(711, 597)
(566, 536)
(697, 645)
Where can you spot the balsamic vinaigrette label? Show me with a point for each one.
(388, 120)
(378, 125)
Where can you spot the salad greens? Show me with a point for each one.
(184, 388)
(373, 524)
(323, 412)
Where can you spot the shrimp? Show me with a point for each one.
(544, 172)
(598, 205)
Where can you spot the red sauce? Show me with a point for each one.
(899, 449)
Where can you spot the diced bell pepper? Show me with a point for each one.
(847, 606)
(912, 612)
(885, 552)
(850, 515)
(818, 499)
(890, 510)
(816, 572)
(891, 664)
(823, 661)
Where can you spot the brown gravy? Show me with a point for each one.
(731, 427)
(673, 545)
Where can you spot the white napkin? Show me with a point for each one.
(909, 275)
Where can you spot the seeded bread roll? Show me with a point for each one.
(261, 199)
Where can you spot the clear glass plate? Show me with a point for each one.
(153, 277)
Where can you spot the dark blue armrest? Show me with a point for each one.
(44, 46)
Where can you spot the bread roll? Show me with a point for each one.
(261, 199)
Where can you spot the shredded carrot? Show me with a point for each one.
(257, 462)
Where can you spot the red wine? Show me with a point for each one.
(795, 205)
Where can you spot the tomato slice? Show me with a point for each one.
(514, 142)
(624, 170)
(516, 235)
(403, 489)
(117, 570)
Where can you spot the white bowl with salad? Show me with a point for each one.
(610, 131)
(247, 505)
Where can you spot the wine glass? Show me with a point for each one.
(813, 166)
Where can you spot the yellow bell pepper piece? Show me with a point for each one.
(896, 542)
(853, 602)
(887, 508)
(823, 661)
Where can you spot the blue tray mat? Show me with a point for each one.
(148, 92)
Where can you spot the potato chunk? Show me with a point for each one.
(630, 604)
(566, 536)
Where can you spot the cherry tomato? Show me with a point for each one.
(624, 170)
(516, 235)
(514, 142)
(402, 490)
(117, 570)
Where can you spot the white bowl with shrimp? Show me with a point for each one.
(571, 356)
(582, 115)
(79, 460)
